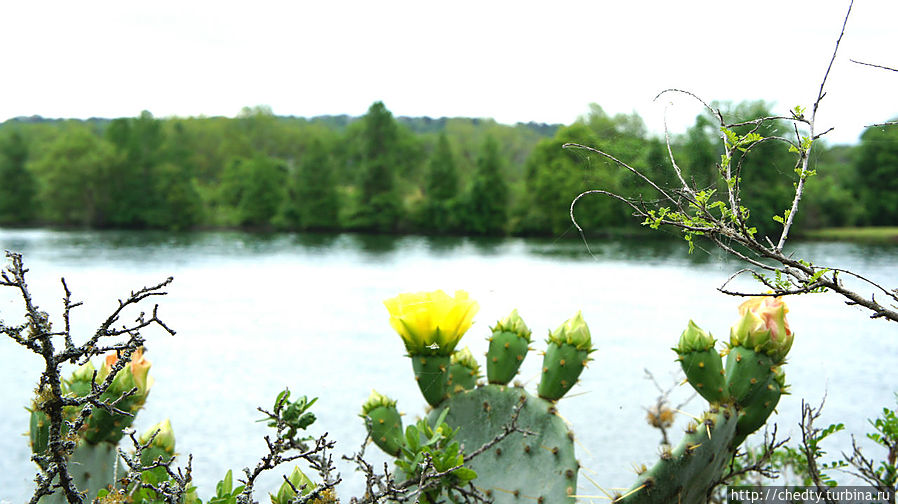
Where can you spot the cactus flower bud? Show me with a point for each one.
(509, 344)
(165, 438)
(513, 323)
(140, 367)
(466, 359)
(464, 371)
(80, 381)
(134, 375)
(574, 332)
(431, 323)
(285, 493)
(763, 327)
(84, 373)
(694, 339)
(376, 400)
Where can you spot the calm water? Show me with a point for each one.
(255, 314)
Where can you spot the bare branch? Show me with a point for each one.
(874, 65)
(799, 189)
(808, 437)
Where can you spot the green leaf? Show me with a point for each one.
(464, 474)
(412, 438)
(224, 487)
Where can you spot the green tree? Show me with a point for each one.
(440, 190)
(379, 206)
(314, 192)
(180, 205)
(262, 191)
(877, 171)
(555, 176)
(73, 171)
(134, 194)
(17, 184)
(487, 199)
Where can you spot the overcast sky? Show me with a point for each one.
(511, 61)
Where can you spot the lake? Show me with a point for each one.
(255, 314)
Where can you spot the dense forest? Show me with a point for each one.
(379, 173)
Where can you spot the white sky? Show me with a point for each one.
(512, 61)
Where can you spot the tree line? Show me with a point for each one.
(379, 173)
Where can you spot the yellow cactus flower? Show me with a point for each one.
(431, 323)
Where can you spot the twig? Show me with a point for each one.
(799, 189)
(874, 65)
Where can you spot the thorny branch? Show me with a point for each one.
(725, 223)
(864, 468)
(809, 435)
(37, 335)
(750, 463)
(759, 465)
(172, 491)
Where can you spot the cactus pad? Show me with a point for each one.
(747, 372)
(685, 474)
(562, 365)
(504, 357)
(385, 426)
(539, 467)
(704, 370)
(756, 411)
(432, 375)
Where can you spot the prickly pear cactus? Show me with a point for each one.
(541, 467)
(758, 347)
(742, 396)
(430, 325)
